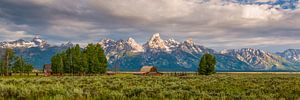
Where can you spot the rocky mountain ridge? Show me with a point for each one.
(167, 55)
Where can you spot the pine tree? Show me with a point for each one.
(84, 64)
(7, 61)
(60, 64)
(54, 63)
(89, 51)
(207, 65)
(77, 59)
(102, 59)
(1, 69)
(57, 65)
(27, 68)
(18, 66)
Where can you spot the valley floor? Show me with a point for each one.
(126, 86)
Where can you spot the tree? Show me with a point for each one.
(27, 68)
(18, 66)
(102, 59)
(7, 61)
(207, 65)
(75, 60)
(84, 64)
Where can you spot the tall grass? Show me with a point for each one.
(219, 86)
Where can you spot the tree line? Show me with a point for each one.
(10, 63)
(90, 60)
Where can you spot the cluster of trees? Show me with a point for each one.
(12, 63)
(90, 60)
(207, 65)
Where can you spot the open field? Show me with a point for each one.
(125, 86)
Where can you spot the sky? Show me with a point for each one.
(272, 25)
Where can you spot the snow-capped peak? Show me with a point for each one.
(36, 42)
(134, 45)
(107, 42)
(189, 41)
(68, 44)
(156, 43)
(39, 42)
(172, 44)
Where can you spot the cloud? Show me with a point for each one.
(213, 23)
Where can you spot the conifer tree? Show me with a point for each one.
(102, 59)
(84, 64)
(19, 65)
(54, 63)
(77, 59)
(207, 65)
(27, 68)
(7, 61)
(90, 60)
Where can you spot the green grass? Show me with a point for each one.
(220, 86)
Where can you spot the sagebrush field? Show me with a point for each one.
(218, 86)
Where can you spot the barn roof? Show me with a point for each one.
(148, 69)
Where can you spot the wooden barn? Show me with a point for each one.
(148, 70)
(47, 69)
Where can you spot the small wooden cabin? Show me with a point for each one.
(148, 70)
(47, 69)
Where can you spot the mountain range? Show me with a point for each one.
(166, 55)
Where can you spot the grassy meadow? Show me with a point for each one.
(225, 86)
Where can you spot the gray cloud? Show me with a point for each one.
(211, 24)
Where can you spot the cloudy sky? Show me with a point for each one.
(272, 25)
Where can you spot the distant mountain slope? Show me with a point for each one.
(36, 52)
(260, 60)
(38, 56)
(292, 55)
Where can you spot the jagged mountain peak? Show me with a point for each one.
(156, 44)
(155, 39)
(172, 43)
(189, 41)
(172, 40)
(39, 42)
(134, 45)
(107, 40)
(130, 39)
